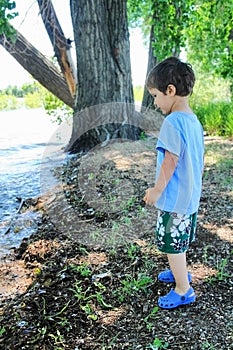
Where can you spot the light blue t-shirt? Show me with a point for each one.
(182, 134)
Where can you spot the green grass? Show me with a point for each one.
(216, 118)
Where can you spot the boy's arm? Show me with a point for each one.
(167, 169)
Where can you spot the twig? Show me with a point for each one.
(13, 217)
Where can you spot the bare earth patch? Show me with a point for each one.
(15, 278)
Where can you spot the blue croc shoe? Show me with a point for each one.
(173, 299)
(167, 276)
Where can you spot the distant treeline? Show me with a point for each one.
(211, 101)
(21, 91)
(14, 97)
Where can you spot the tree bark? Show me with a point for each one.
(38, 66)
(60, 44)
(148, 101)
(103, 66)
(103, 52)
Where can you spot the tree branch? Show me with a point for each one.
(38, 66)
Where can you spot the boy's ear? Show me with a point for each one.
(171, 90)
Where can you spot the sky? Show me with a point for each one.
(29, 24)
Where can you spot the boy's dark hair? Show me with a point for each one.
(172, 71)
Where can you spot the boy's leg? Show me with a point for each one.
(183, 293)
(178, 266)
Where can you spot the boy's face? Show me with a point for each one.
(163, 101)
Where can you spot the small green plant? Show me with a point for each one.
(86, 300)
(57, 315)
(83, 250)
(143, 136)
(133, 251)
(220, 267)
(222, 274)
(207, 345)
(116, 182)
(157, 344)
(115, 226)
(78, 291)
(205, 254)
(221, 271)
(57, 338)
(99, 295)
(2, 331)
(83, 269)
(43, 330)
(128, 205)
(149, 319)
(142, 211)
(131, 286)
(65, 324)
(89, 311)
(126, 220)
(91, 176)
(112, 252)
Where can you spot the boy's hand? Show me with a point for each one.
(166, 171)
(151, 196)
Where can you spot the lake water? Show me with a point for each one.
(29, 144)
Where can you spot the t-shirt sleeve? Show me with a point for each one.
(169, 139)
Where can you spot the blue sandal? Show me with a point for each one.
(173, 299)
(167, 276)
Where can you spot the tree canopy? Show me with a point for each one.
(210, 36)
(204, 29)
(7, 12)
(169, 19)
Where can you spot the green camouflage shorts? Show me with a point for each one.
(174, 232)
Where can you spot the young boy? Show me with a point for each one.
(179, 170)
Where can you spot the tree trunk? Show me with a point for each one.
(38, 66)
(148, 101)
(103, 67)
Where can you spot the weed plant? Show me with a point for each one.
(157, 344)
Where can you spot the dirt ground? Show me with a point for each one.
(88, 278)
